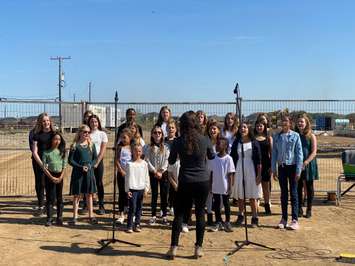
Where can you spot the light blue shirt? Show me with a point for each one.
(287, 150)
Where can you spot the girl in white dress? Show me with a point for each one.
(252, 172)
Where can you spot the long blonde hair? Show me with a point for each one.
(39, 123)
(307, 130)
(82, 128)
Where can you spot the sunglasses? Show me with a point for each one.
(157, 132)
(85, 132)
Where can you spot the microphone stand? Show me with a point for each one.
(246, 242)
(106, 242)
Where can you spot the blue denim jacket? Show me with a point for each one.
(288, 154)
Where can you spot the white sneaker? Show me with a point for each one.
(294, 225)
(153, 220)
(282, 224)
(184, 228)
(120, 219)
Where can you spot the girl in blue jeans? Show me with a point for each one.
(287, 154)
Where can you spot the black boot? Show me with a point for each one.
(267, 209)
(309, 212)
(209, 219)
(300, 211)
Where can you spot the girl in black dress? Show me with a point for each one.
(265, 143)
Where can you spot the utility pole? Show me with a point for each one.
(74, 97)
(60, 84)
(90, 92)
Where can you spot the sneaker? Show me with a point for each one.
(152, 220)
(198, 252)
(101, 210)
(240, 220)
(72, 222)
(217, 227)
(137, 228)
(49, 222)
(228, 227)
(171, 252)
(165, 220)
(282, 224)
(294, 225)
(40, 212)
(129, 230)
(254, 222)
(184, 228)
(93, 221)
(120, 219)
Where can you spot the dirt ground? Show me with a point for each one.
(24, 240)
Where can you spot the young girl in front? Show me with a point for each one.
(82, 158)
(251, 173)
(265, 142)
(136, 185)
(230, 128)
(124, 155)
(54, 163)
(157, 154)
(222, 177)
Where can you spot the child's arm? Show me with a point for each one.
(230, 182)
(147, 181)
(118, 164)
(151, 167)
(94, 156)
(45, 170)
(72, 161)
(165, 162)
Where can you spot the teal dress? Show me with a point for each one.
(311, 170)
(82, 182)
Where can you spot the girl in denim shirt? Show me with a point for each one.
(287, 154)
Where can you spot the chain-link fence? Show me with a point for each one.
(333, 121)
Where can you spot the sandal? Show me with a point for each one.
(93, 221)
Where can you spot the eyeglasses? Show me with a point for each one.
(85, 132)
(157, 132)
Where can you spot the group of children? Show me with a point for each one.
(243, 165)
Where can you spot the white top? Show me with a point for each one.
(137, 176)
(164, 128)
(125, 156)
(221, 167)
(230, 137)
(98, 137)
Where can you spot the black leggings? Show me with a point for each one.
(99, 173)
(188, 192)
(122, 195)
(39, 182)
(217, 207)
(54, 191)
(164, 190)
(309, 188)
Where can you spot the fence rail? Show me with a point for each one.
(17, 117)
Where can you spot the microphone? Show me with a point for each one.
(236, 89)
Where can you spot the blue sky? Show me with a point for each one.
(182, 50)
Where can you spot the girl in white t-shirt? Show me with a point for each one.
(99, 139)
(136, 185)
(222, 174)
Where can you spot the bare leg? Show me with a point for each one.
(254, 207)
(241, 206)
(266, 191)
(75, 206)
(90, 205)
